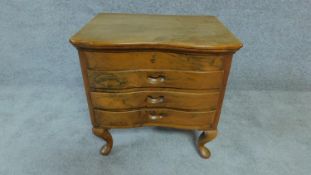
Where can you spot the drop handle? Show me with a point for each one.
(155, 100)
(154, 116)
(156, 79)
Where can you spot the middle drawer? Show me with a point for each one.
(152, 78)
(162, 99)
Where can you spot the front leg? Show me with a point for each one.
(204, 138)
(104, 134)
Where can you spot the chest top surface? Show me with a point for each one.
(114, 31)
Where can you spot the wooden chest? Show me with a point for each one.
(155, 70)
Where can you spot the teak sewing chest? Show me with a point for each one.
(155, 70)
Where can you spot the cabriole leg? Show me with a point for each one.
(104, 134)
(204, 138)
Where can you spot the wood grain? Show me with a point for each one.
(187, 33)
(131, 60)
(205, 137)
(141, 79)
(155, 70)
(161, 99)
(155, 117)
(83, 64)
(227, 65)
(104, 134)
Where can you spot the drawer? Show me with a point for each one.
(148, 78)
(155, 99)
(113, 61)
(155, 117)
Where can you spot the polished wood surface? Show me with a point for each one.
(155, 70)
(144, 99)
(205, 137)
(87, 88)
(227, 66)
(114, 61)
(104, 134)
(115, 31)
(155, 117)
(155, 78)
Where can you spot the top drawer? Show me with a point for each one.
(114, 61)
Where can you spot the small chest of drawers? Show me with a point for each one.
(155, 70)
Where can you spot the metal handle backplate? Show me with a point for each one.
(156, 79)
(154, 115)
(155, 100)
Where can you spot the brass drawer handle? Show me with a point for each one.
(154, 116)
(155, 100)
(156, 79)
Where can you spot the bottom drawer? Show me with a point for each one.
(155, 117)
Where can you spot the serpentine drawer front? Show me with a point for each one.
(146, 78)
(114, 61)
(145, 99)
(155, 70)
(155, 117)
